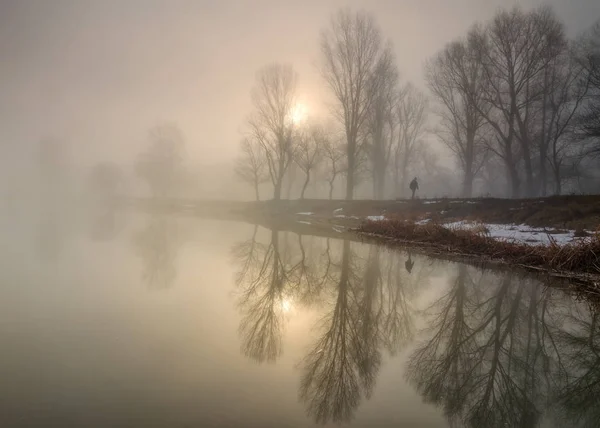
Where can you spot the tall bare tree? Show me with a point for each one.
(411, 113)
(251, 165)
(565, 87)
(515, 48)
(382, 123)
(455, 78)
(588, 118)
(272, 124)
(351, 50)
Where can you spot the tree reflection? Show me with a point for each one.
(157, 244)
(331, 382)
(492, 358)
(272, 278)
(580, 396)
(369, 313)
(499, 350)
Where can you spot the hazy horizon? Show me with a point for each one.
(98, 75)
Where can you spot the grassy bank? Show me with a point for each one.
(578, 258)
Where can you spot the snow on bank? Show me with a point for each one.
(339, 210)
(522, 234)
(375, 217)
(304, 213)
(304, 222)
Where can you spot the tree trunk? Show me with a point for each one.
(467, 190)
(256, 191)
(396, 183)
(557, 183)
(513, 179)
(543, 173)
(305, 184)
(277, 191)
(350, 178)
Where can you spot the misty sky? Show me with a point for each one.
(100, 73)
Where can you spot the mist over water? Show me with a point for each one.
(128, 319)
(129, 132)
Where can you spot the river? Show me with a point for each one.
(150, 320)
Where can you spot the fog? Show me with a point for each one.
(97, 75)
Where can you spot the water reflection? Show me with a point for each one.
(497, 350)
(581, 355)
(158, 244)
(504, 351)
(272, 279)
(366, 299)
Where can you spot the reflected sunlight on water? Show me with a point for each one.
(162, 321)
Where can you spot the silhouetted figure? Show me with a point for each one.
(409, 263)
(414, 186)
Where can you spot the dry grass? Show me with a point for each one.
(580, 257)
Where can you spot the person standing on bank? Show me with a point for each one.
(414, 186)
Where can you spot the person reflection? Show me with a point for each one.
(492, 356)
(157, 244)
(409, 263)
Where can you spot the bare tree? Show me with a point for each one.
(334, 155)
(382, 123)
(308, 155)
(411, 113)
(588, 118)
(161, 165)
(455, 78)
(251, 166)
(351, 48)
(272, 124)
(515, 48)
(565, 89)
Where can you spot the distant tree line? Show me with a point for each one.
(514, 100)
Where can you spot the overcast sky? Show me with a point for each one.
(100, 73)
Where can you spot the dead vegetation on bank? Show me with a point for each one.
(578, 258)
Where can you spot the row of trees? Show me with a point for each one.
(514, 94)
(376, 118)
(518, 92)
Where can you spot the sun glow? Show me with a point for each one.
(286, 305)
(298, 113)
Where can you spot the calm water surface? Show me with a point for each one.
(125, 320)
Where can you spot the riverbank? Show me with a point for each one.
(556, 235)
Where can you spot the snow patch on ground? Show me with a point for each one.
(339, 210)
(375, 217)
(522, 234)
(338, 229)
(430, 202)
(304, 222)
(422, 222)
(340, 216)
(304, 213)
